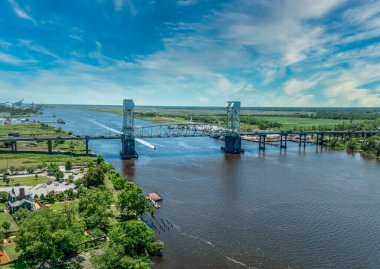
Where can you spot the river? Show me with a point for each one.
(294, 208)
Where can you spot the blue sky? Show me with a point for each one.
(191, 52)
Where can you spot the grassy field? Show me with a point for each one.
(11, 252)
(7, 217)
(22, 160)
(59, 206)
(27, 180)
(27, 129)
(288, 123)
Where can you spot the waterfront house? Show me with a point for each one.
(20, 200)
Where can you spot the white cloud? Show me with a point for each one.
(30, 45)
(10, 59)
(119, 5)
(294, 86)
(186, 2)
(21, 13)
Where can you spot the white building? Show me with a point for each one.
(14, 121)
(2, 122)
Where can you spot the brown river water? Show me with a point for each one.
(294, 208)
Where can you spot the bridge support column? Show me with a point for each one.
(232, 144)
(128, 132)
(128, 148)
(283, 141)
(50, 147)
(87, 146)
(322, 138)
(300, 140)
(317, 139)
(262, 142)
(304, 140)
(14, 146)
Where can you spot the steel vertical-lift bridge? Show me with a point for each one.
(129, 135)
(230, 131)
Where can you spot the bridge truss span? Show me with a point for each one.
(182, 130)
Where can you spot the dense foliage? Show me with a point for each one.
(95, 208)
(129, 244)
(131, 201)
(46, 235)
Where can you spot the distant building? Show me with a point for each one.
(14, 121)
(2, 122)
(5, 115)
(22, 200)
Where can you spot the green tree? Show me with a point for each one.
(94, 177)
(3, 196)
(52, 168)
(48, 236)
(131, 201)
(135, 237)
(12, 169)
(50, 197)
(100, 160)
(129, 244)
(95, 208)
(119, 182)
(68, 165)
(59, 175)
(6, 225)
(21, 214)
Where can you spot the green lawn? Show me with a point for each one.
(11, 252)
(27, 180)
(59, 206)
(7, 217)
(289, 123)
(2, 207)
(27, 129)
(19, 160)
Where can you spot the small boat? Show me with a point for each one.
(61, 121)
(154, 203)
(154, 196)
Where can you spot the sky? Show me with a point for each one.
(191, 52)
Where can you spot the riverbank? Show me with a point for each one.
(301, 119)
(118, 210)
(30, 155)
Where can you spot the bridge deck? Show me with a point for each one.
(183, 133)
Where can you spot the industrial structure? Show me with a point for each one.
(232, 141)
(127, 136)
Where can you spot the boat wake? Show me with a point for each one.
(104, 126)
(212, 245)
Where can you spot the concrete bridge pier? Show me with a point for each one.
(232, 144)
(262, 142)
(283, 141)
(128, 148)
(304, 140)
(87, 145)
(14, 146)
(50, 147)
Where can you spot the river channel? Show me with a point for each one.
(293, 208)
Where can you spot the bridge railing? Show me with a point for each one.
(181, 129)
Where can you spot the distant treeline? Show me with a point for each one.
(18, 111)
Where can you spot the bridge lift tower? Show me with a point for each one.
(128, 138)
(232, 141)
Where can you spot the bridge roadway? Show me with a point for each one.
(188, 130)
